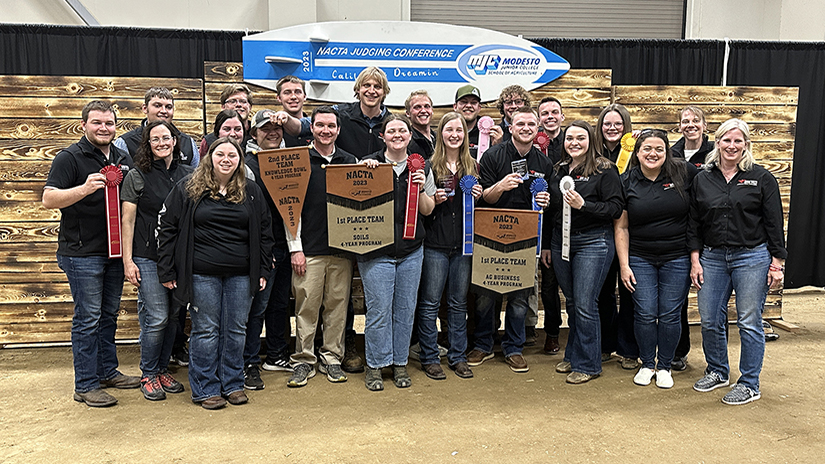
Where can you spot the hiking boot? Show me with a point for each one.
(277, 364)
(476, 357)
(252, 378)
(152, 389)
(96, 398)
(213, 402)
(351, 363)
(237, 398)
(169, 384)
(333, 371)
(373, 379)
(577, 378)
(711, 381)
(462, 370)
(434, 371)
(401, 377)
(180, 357)
(516, 363)
(121, 381)
(300, 374)
(740, 394)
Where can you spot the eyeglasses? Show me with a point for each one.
(648, 148)
(518, 102)
(617, 125)
(157, 140)
(237, 101)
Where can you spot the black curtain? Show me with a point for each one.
(111, 51)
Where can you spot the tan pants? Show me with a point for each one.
(327, 281)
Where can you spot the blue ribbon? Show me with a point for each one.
(467, 183)
(538, 185)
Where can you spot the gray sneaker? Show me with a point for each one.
(333, 371)
(300, 375)
(741, 394)
(711, 381)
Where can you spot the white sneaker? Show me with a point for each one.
(664, 379)
(644, 376)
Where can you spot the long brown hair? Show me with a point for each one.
(144, 155)
(593, 162)
(466, 164)
(627, 126)
(203, 180)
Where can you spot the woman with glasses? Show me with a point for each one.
(651, 245)
(617, 327)
(737, 243)
(158, 170)
(595, 200)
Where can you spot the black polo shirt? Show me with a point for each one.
(603, 198)
(504, 159)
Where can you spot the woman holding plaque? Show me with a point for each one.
(587, 193)
(215, 247)
(737, 244)
(651, 245)
(444, 261)
(391, 276)
(617, 327)
(158, 170)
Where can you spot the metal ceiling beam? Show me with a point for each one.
(84, 14)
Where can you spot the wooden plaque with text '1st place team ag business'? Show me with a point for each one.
(504, 249)
(285, 173)
(360, 207)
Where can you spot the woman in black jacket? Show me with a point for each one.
(215, 248)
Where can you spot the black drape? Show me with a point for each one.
(111, 51)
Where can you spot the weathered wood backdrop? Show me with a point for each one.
(42, 115)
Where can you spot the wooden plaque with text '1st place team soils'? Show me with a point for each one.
(360, 207)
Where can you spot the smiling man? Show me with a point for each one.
(76, 186)
(419, 108)
(361, 120)
(320, 276)
(507, 170)
(159, 105)
(292, 95)
(511, 98)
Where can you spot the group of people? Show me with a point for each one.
(200, 234)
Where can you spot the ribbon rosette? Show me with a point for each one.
(537, 186)
(628, 143)
(415, 162)
(113, 178)
(485, 123)
(467, 183)
(542, 142)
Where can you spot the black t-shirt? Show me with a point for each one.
(603, 198)
(504, 159)
(657, 214)
(221, 238)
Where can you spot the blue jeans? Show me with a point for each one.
(96, 283)
(581, 279)
(158, 316)
(514, 315)
(270, 306)
(744, 270)
(219, 313)
(440, 269)
(390, 294)
(661, 288)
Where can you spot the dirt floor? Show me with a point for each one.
(497, 417)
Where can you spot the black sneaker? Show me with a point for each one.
(252, 378)
(152, 389)
(180, 357)
(679, 363)
(277, 364)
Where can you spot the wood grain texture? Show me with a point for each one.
(53, 107)
(97, 88)
(69, 129)
(21, 232)
(705, 95)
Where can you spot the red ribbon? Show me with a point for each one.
(542, 141)
(113, 178)
(415, 162)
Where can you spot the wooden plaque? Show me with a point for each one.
(285, 173)
(504, 249)
(360, 207)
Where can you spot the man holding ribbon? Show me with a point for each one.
(507, 172)
(84, 184)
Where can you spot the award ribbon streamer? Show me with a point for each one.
(566, 184)
(415, 162)
(113, 178)
(485, 123)
(537, 186)
(467, 183)
(542, 142)
(628, 143)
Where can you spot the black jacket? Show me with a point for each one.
(133, 138)
(698, 159)
(419, 144)
(251, 160)
(176, 239)
(357, 136)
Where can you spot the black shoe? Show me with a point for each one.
(96, 398)
(252, 378)
(351, 363)
(180, 357)
(679, 363)
(152, 389)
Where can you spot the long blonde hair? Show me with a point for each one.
(747, 161)
(466, 164)
(203, 180)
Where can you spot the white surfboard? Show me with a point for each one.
(439, 58)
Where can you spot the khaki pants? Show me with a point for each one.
(327, 281)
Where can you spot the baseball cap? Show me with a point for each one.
(466, 90)
(262, 117)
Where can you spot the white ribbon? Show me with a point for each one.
(566, 184)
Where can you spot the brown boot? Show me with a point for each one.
(351, 363)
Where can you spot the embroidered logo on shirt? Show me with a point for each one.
(748, 182)
(668, 186)
(582, 179)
